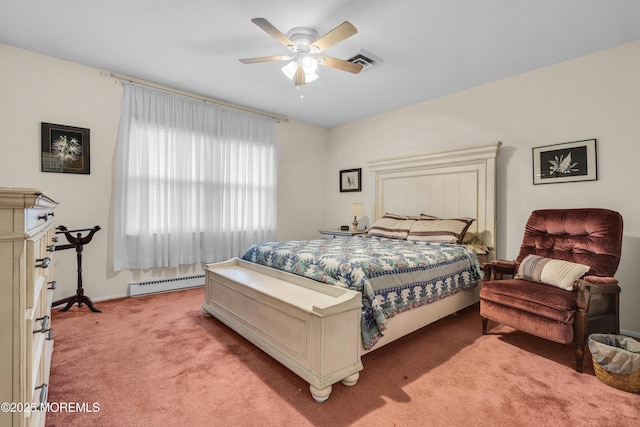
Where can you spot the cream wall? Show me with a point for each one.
(35, 88)
(595, 96)
(301, 180)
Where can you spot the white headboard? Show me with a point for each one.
(448, 184)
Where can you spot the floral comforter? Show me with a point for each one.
(392, 275)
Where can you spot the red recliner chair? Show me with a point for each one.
(561, 285)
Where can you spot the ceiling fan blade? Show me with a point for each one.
(273, 32)
(299, 78)
(339, 33)
(340, 64)
(265, 59)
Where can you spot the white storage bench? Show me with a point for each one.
(311, 328)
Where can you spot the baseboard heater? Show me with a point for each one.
(166, 285)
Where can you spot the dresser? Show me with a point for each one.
(27, 244)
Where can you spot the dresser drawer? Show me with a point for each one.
(35, 217)
(40, 391)
(38, 328)
(39, 263)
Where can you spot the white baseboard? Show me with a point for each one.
(630, 333)
(109, 297)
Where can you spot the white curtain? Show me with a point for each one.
(195, 182)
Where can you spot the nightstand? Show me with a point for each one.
(337, 234)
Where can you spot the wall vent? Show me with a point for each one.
(366, 59)
(166, 285)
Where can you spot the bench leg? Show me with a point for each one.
(351, 380)
(320, 395)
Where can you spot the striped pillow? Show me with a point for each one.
(392, 226)
(432, 229)
(554, 272)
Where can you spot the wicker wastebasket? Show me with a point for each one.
(616, 361)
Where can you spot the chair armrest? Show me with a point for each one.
(496, 269)
(601, 280)
(598, 285)
(594, 285)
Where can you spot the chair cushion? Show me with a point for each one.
(554, 272)
(530, 323)
(587, 236)
(537, 298)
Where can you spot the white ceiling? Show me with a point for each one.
(429, 48)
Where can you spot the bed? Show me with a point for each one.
(319, 322)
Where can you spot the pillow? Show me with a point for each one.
(432, 229)
(555, 272)
(429, 216)
(473, 241)
(392, 226)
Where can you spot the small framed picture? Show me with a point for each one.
(350, 180)
(566, 162)
(65, 149)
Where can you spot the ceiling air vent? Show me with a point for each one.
(366, 59)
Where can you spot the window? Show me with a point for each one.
(195, 182)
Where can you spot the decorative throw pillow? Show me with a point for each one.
(555, 272)
(392, 226)
(432, 229)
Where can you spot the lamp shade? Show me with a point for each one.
(309, 69)
(356, 209)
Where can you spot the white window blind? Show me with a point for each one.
(195, 182)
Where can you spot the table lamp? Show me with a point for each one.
(356, 210)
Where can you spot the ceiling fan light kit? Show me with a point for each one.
(306, 45)
(304, 70)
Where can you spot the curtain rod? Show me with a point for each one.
(122, 77)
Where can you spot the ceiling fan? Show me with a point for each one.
(305, 46)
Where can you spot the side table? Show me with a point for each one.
(338, 234)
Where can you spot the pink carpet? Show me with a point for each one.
(154, 361)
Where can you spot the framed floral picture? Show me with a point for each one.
(65, 149)
(350, 180)
(566, 162)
